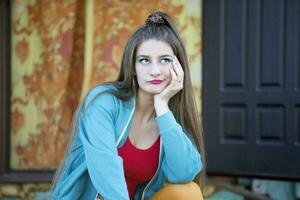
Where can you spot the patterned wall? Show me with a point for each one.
(47, 64)
(60, 49)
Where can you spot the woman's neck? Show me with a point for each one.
(145, 106)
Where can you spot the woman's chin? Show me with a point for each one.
(153, 91)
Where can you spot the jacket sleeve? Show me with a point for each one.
(182, 161)
(97, 133)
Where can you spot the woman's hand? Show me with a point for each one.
(161, 100)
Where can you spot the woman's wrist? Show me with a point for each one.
(161, 107)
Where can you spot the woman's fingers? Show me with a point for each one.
(176, 81)
(178, 69)
(173, 74)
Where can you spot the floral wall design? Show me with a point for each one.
(61, 49)
(47, 63)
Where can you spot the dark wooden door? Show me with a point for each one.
(251, 87)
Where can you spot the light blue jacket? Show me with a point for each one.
(93, 164)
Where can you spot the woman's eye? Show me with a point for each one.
(165, 60)
(144, 61)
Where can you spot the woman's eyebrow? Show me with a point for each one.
(144, 56)
(161, 56)
(166, 55)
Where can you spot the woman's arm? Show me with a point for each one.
(97, 133)
(182, 161)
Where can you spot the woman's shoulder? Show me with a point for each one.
(99, 95)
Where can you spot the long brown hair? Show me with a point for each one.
(158, 26)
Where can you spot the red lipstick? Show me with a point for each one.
(155, 81)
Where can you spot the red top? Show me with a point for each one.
(139, 164)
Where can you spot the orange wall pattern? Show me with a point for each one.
(60, 49)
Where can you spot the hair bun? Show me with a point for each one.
(155, 19)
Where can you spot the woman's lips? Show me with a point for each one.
(156, 81)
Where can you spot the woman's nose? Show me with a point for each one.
(155, 70)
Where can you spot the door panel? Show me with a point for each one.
(251, 87)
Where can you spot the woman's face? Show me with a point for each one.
(152, 65)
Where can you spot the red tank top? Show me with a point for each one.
(139, 165)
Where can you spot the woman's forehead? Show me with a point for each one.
(154, 48)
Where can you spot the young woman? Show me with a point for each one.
(138, 137)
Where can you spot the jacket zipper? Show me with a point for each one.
(120, 138)
(159, 160)
(123, 132)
